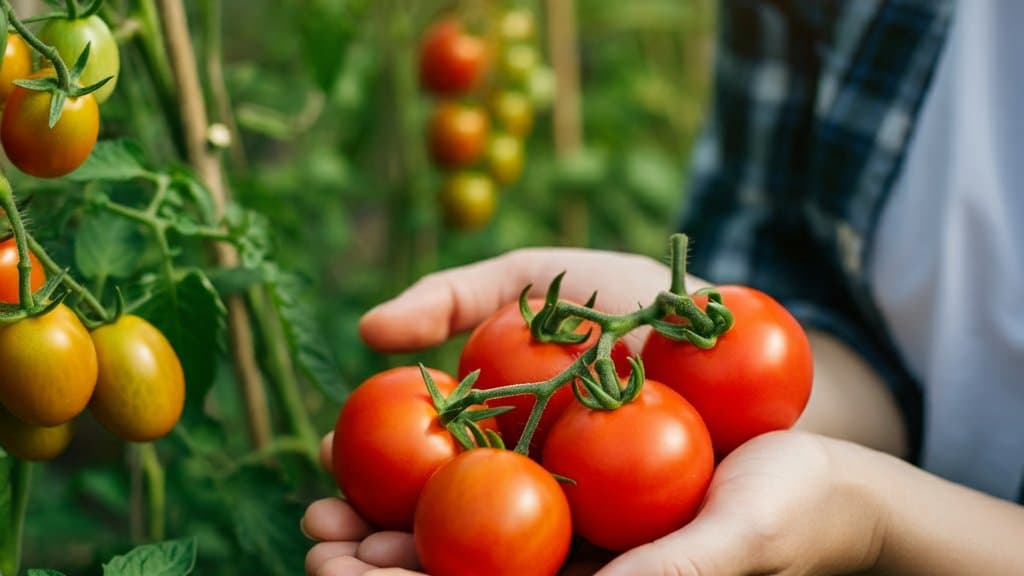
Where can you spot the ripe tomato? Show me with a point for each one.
(514, 112)
(32, 442)
(468, 200)
(17, 64)
(70, 37)
(451, 61)
(641, 471)
(505, 352)
(140, 390)
(457, 134)
(492, 512)
(505, 158)
(9, 272)
(36, 149)
(755, 380)
(388, 440)
(47, 367)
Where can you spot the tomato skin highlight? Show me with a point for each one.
(504, 351)
(756, 379)
(140, 389)
(9, 279)
(70, 37)
(33, 443)
(17, 64)
(47, 367)
(451, 61)
(641, 471)
(36, 149)
(492, 512)
(388, 441)
(457, 135)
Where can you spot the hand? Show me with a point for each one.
(783, 503)
(447, 302)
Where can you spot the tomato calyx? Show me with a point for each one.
(604, 393)
(62, 90)
(554, 323)
(463, 424)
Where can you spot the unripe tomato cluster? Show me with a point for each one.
(52, 368)
(30, 143)
(628, 475)
(483, 112)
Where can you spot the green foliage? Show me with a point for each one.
(173, 558)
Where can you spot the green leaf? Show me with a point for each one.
(229, 281)
(170, 558)
(79, 66)
(251, 233)
(326, 28)
(309, 348)
(192, 317)
(107, 246)
(44, 572)
(186, 182)
(266, 520)
(115, 160)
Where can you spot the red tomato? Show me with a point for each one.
(505, 352)
(641, 471)
(492, 512)
(9, 272)
(451, 61)
(457, 134)
(755, 380)
(387, 443)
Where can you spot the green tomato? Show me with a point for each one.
(70, 37)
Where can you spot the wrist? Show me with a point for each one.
(858, 489)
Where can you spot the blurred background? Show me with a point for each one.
(331, 150)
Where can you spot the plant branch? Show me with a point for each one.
(70, 283)
(21, 482)
(10, 206)
(48, 52)
(155, 488)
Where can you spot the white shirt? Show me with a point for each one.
(948, 269)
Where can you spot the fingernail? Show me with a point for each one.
(302, 528)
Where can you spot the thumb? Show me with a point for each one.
(709, 546)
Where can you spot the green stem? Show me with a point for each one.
(21, 482)
(70, 283)
(48, 52)
(159, 226)
(10, 207)
(155, 483)
(72, 9)
(677, 253)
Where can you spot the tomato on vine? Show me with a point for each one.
(451, 61)
(17, 64)
(492, 512)
(9, 279)
(640, 471)
(518, 63)
(505, 158)
(70, 38)
(513, 112)
(504, 351)
(468, 200)
(29, 442)
(33, 146)
(756, 379)
(457, 134)
(47, 367)
(388, 441)
(140, 389)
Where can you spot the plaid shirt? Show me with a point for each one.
(814, 104)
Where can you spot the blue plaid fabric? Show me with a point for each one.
(814, 103)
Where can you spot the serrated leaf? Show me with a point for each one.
(187, 183)
(107, 246)
(113, 160)
(266, 520)
(251, 233)
(192, 316)
(170, 558)
(44, 572)
(305, 339)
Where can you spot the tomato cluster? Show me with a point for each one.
(629, 475)
(31, 144)
(479, 147)
(52, 368)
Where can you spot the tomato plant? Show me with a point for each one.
(518, 63)
(513, 112)
(70, 38)
(140, 388)
(756, 379)
(33, 146)
(9, 272)
(639, 471)
(388, 440)
(33, 442)
(505, 352)
(505, 158)
(457, 134)
(468, 200)
(47, 367)
(492, 512)
(17, 64)
(451, 61)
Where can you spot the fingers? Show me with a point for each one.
(333, 519)
(389, 549)
(349, 566)
(326, 448)
(441, 304)
(319, 554)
